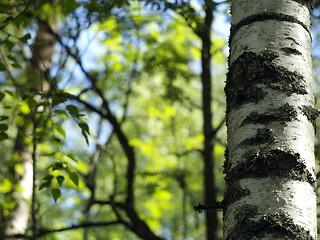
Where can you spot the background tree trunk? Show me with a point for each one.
(37, 82)
(210, 193)
(269, 166)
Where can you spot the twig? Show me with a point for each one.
(216, 205)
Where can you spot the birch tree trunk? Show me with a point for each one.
(269, 167)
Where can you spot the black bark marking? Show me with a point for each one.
(293, 40)
(290, 51)
(308, 3)
(283, 163)
(311, 113)
(226, 163)
(264, 135)
(251, 69)
(278, 224)
(234, 193)
(283, 114)
(264, 16)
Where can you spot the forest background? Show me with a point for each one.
(112, 119)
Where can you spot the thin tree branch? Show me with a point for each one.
(138, 226)
(12, 19)
(221, 124)
(44, 232)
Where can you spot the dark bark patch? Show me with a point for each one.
(234, 193)
(307, 3)
(264, 16)
(226, 164)
(264, 135)
(283, 114)
(311, 113)
(293, 40)
(290, 51)
(283, 163)
(252, 69)
(244, 212)
(278, 225)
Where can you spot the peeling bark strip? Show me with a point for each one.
(270, 180)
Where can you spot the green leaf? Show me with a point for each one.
(68, 6)
(48, 178)
(56, 193)
(3, 136)
(25, 38)
(2, 95)
(45, 184)
(2, 67)
(3, 117)
(85, 131)
(72, 157)
(60, 179)
(32, 102)
(3, 127)
(61, 131)
(56, 99)
(10, 93)
(74, 178)
(84, 127)
(9, 44)
(61, 112)
(73, 110)
(85, 135)
(57, 166)
(16, 65)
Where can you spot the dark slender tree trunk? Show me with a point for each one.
(208, 154)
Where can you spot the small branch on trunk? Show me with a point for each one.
(216, 205)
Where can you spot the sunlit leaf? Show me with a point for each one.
(74, 178)
(5, 186)
(62, 113)
(19, 169)
(61, 131)
(24, 108)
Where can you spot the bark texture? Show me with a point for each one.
(269, 165)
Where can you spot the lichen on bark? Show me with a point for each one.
(252, 72)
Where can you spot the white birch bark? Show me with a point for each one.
(270, 163)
